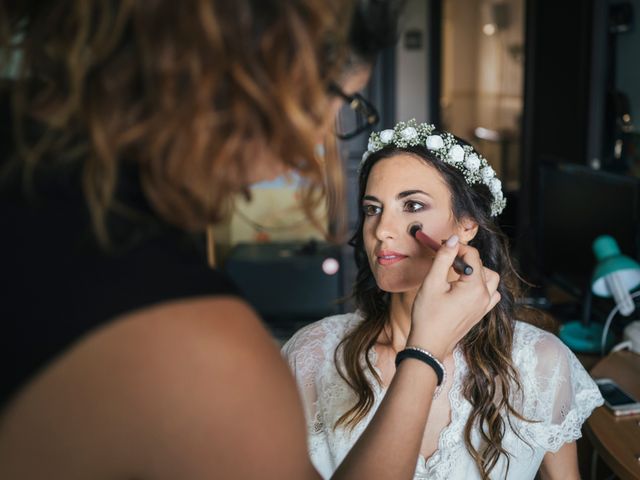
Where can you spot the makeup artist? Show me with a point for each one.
(511, 398)
(135, 123)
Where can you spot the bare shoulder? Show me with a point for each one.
(222, 326)
(198, 386)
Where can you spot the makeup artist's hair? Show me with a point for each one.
(192, 92)
(492, 379)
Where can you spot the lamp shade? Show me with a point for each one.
(611, 260)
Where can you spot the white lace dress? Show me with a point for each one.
(557, 392)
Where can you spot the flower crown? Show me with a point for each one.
(473, 166)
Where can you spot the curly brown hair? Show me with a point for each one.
(197, 93)
(492, 382)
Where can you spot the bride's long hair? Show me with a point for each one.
(492, 382)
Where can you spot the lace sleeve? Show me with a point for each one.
(565, 394)
(305, 353)
(310, 357)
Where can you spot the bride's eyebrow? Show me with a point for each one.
(406, 193)
(400, 195)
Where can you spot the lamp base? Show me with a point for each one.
(584, 338)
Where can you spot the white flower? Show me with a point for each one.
(472, 162)
(434, 142)
(370, 145)
(495, 186)
(409, 133)
(487, 174)
(456, 154)
(365, 155)
(386, 136)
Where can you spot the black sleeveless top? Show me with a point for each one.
(59, 284)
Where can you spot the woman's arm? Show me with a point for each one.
(561, 465)
(192, 389)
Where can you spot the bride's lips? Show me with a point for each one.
(387, 257)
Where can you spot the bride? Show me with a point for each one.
(512, 398)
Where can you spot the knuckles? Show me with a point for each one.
(492, 276)
(472, 253)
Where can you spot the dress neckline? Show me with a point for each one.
(455, 400)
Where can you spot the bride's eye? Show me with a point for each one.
(371, 210)
(413, 206)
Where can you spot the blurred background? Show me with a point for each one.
(548, 91)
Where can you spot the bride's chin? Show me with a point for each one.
(395, 287)
(398, 282)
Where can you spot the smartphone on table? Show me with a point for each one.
(616, 399)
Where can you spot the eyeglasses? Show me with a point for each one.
(360, 116)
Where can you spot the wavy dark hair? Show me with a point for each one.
(492, 381)
(190, 92)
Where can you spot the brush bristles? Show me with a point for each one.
(413, 230)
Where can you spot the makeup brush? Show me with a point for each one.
(459, 264)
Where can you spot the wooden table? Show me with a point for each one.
(617, 439)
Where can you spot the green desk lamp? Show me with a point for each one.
(615, 275)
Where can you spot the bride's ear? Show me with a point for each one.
(467, 229)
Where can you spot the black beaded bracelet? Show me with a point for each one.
(424, 356)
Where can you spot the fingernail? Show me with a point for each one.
(453, 241)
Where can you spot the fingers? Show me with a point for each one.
(495, 299)
(487, 280)
(443, 261)
(491, 279)
(472, 258)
